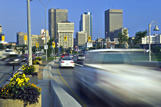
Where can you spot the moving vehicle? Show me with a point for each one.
(120, 77)
(66, 62)
(63, 55)
(13, 59)
(80, 57)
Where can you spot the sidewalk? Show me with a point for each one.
(45, 86)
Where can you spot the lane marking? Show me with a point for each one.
(82, 103)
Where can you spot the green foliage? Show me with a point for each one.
(33, 49)
(35, 62)
(38, 58)
(122, 39)
(138, 36)
(28, 69)
(50, 49)
(1, 46)
(62, 49)
(20, 88)
(156, 49)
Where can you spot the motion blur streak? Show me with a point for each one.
(121, 77)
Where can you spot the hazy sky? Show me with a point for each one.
(137, 14)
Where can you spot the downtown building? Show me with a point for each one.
(56, 16)
(35, 39)
(65, 29)
(113, 23)
(86, 23)
(81, 38)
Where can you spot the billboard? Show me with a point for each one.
(43, 34)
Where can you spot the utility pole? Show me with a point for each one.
(45, 25)
(29, 34)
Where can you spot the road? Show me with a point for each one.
(65, 78)
(5, 70)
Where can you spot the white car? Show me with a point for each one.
(66, 62)
(120, 77)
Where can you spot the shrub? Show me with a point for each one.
(35, 62)
(38, 58)
(20, 88)
(28, 69)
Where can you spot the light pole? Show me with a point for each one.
(29, 34)
(155, 29)
(45, 24)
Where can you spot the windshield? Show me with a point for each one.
(66, 58)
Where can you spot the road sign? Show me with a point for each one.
(2, 38)
(65, 38)
(89, 38)
(53, 44)
(37, 44)
(46, 47)
(25, 37)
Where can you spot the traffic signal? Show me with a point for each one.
(65, 38)
(53, 44)
(89, 38)
(2, 38)
(37, 44)
(25, 37)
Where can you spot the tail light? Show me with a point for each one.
(62, 61)
(72, 62)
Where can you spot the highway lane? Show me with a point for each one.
(65, 78)
(5, 70)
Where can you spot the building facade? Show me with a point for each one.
(113, 23)
(35, 39)
(154, 39)
(86, 23)
(56, 16)
(81, 38)
(65, 29)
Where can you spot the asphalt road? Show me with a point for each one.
(65, 78)
(5, 70)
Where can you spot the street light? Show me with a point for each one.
(155, 29)
(45, 24)
(29, 33)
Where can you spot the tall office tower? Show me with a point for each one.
(81, 38)
(86, 23)
(65, 30)
(56, 16)
(113, 23)
(0, 29)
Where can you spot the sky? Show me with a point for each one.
(137, 14)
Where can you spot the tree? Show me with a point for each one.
(62, 49)
(1, 46)
(34, 49)
(50, 48)
(138, 36)
(122, 39)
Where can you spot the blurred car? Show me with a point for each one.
(66, 62)
(80, 57)
(120, 77)
(63, 55)
(13, 59)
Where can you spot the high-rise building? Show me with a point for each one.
(86, 23)
(113, 23)
(56, 16)
(81, 38)
(65, 30)
(0, 29)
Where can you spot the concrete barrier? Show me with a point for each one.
(62, 98)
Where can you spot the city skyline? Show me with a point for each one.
(136, 15)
